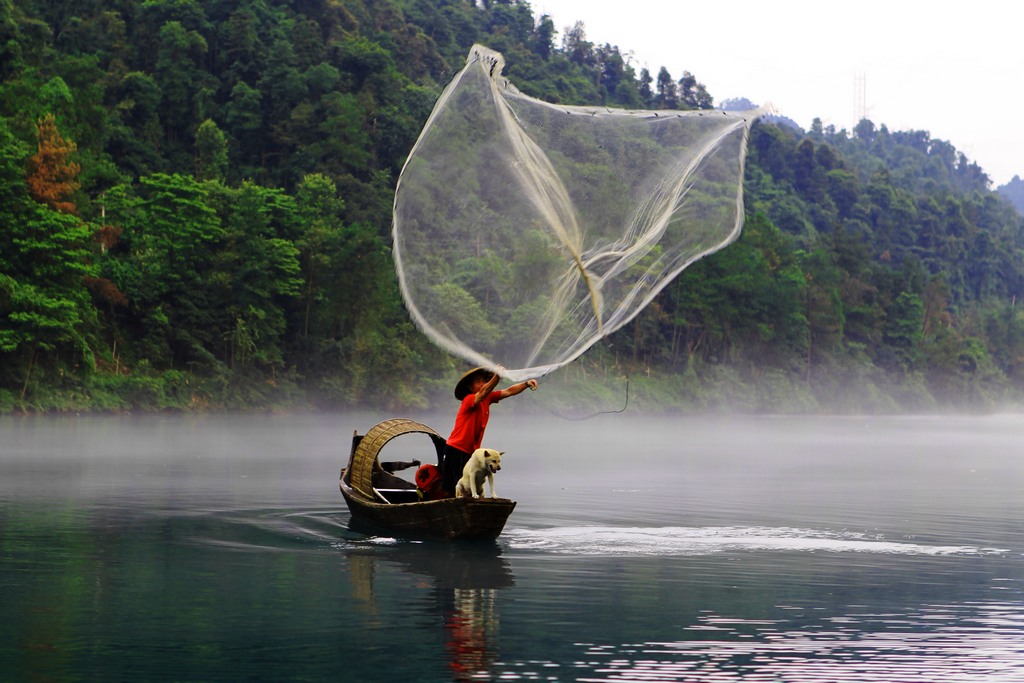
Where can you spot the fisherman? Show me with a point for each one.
(475, 390)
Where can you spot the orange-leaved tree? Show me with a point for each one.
(52, 177)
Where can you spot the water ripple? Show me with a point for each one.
(958, 643)
(266, 530)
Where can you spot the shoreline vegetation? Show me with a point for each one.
(195, 203)
(573, 394)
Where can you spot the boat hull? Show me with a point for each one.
(449, 518)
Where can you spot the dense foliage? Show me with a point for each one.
(1014, 192)
(195, 199)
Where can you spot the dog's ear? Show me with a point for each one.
(501, 452)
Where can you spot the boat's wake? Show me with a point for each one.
(269, 530)
(668, 541)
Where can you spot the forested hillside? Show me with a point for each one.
(1014, 192)
(196, 199)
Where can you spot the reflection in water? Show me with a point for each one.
(984, 645)
(464, 581)
(471, 620)
(361, 569)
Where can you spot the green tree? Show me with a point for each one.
(136, 133)
(823, 309)
(646, 93)
(282, 82)
(258, 272)
(46, 315)
(667, 96)
(211, 152)
(178, 69)
(576, 47)
(243, 120)
(694, 95)
(904, 329)
(242, 51)
(320, 210)
(165, 267)
(544, 42)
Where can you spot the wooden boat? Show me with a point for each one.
(380, 501)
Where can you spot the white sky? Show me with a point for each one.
(955, 70)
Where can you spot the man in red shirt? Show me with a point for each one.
(476, 392)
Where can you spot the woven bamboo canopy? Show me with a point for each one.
(364, 458)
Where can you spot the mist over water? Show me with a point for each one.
(643, 548)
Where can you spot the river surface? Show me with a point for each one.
(642, 549)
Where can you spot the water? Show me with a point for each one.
(642, 549)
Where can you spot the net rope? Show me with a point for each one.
(525, 232)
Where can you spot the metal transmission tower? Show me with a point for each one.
(860, 106)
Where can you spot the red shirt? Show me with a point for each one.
(471, 421)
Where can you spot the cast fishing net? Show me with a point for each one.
(525, 231)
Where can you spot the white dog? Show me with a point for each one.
(481, 466)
